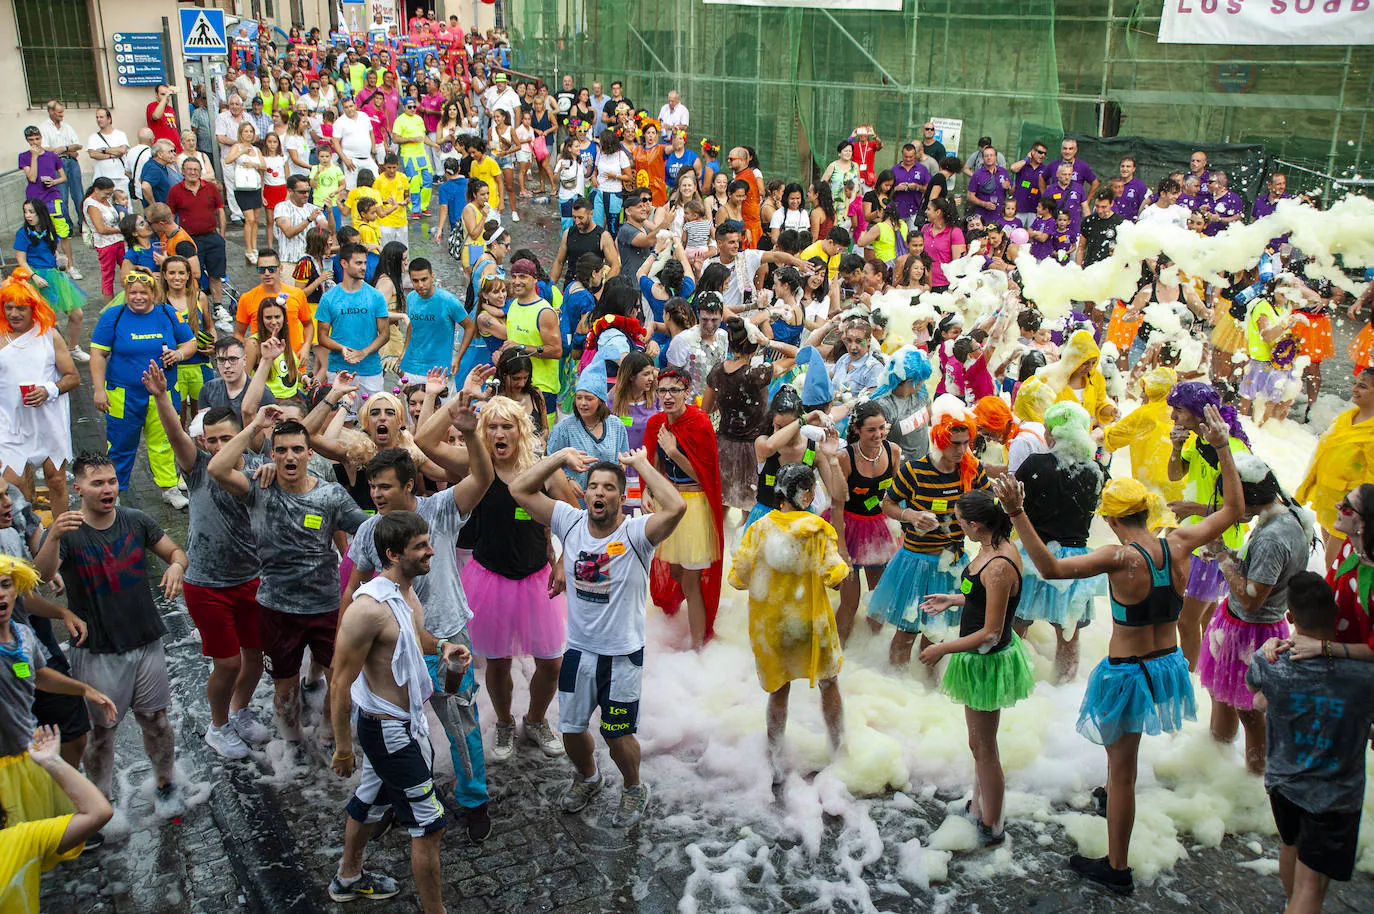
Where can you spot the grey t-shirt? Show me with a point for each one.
(20, 661)
(608, 582)
(1274, 553)
(219, 542)
(1318, 724)
(631, 257)
(299, 567)
(216, 393)
(909, 418)
(440, 591)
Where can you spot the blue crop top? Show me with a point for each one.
(1162, 604)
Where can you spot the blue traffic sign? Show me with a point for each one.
(139, 59)
(202, 32)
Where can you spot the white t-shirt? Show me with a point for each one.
(571, 177)
(291, 249)
(110, 216)
(354, 135)
(108, 168)
(302, 147)
(608, 169)
(245, 176)
(54, 136)
(673, 117)
(608, 582)
(1173, 215)
(732, 295)
(1030, 441)
(796, 219)
(440, 591)
(276, 174)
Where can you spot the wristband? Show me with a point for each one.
(51, 388)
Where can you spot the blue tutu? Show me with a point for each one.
(909, 579)
(1067, 603)
(759, 510)
(1151, 694)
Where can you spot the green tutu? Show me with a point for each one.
(990, 682)
(62, 294)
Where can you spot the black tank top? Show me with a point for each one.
(580, 243)
(508, 541)
(866, 492)
(1161, 605)
(768, 476)
(358, 488)
(976, 603)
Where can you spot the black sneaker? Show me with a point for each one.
(1100, 801)
(372, 886)
(1100, 870)
(989, 838)
(478, 820)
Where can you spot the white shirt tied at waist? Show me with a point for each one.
(407, 663)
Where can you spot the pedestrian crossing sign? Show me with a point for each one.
(202, 32)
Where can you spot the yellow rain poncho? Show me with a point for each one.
(1080, 348)
(1146, 430)
(1344, 459)
(786, 561)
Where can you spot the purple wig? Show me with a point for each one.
(1196, 396)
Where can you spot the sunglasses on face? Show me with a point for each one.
(1345, 508)
(268, 268)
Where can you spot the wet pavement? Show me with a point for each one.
(265, 834)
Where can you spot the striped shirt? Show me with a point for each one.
(919, 485)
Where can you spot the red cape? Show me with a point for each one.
(697, 439)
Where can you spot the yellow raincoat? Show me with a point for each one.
(1146, 430)
(1077, 350)
(786, 561)
(1344, 459)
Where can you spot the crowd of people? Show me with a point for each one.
(787, 387)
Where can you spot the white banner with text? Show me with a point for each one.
(1267, 22)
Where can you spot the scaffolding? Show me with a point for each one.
(792, 82)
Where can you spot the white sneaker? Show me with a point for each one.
(634, 802)
(174, 498)
(541, 734)
(226, 741)
(504, 745)
(80, 355)
(247, 726)
(74, 273)
(514, 216)
(251, 256)
(181, 486)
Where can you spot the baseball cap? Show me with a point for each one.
(408, 101)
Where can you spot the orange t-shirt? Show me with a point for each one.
(649, 172)
(753, 228)
(299, 316)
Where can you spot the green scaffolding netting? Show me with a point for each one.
(793, 81)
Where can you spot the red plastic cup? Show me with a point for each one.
(25, 390)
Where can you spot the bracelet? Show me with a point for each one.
(343, 757)
(1326, 650)
(1017, 513)
(1346, 648)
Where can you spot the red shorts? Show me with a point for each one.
(227, 618)
(285, 637)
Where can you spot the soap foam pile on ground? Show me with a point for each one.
(884, 815)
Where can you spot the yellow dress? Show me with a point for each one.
(1146, 430)
(1344, 459)
(786, 561)
(27, 851)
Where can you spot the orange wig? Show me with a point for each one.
(18, 290)
(939, 437)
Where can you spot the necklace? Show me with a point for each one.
(874, 459)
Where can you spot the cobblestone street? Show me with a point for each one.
(265, 834)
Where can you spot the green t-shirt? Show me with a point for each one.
(410, 125)
(356, 74)
(326, 181)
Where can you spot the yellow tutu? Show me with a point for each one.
(28, 792)
(693, 544)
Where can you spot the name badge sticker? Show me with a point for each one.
(313, 522)
(965, 586)
(21, 670)
(522, 514)
(885, 484)
(616, 548)
(871, 502)
(939, 505)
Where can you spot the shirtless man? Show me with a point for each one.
(382, 633)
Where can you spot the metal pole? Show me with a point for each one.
(1336, 121)
(1106, 68)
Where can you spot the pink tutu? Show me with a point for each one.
(869, 540)
(1227, 646)
(514, 618)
